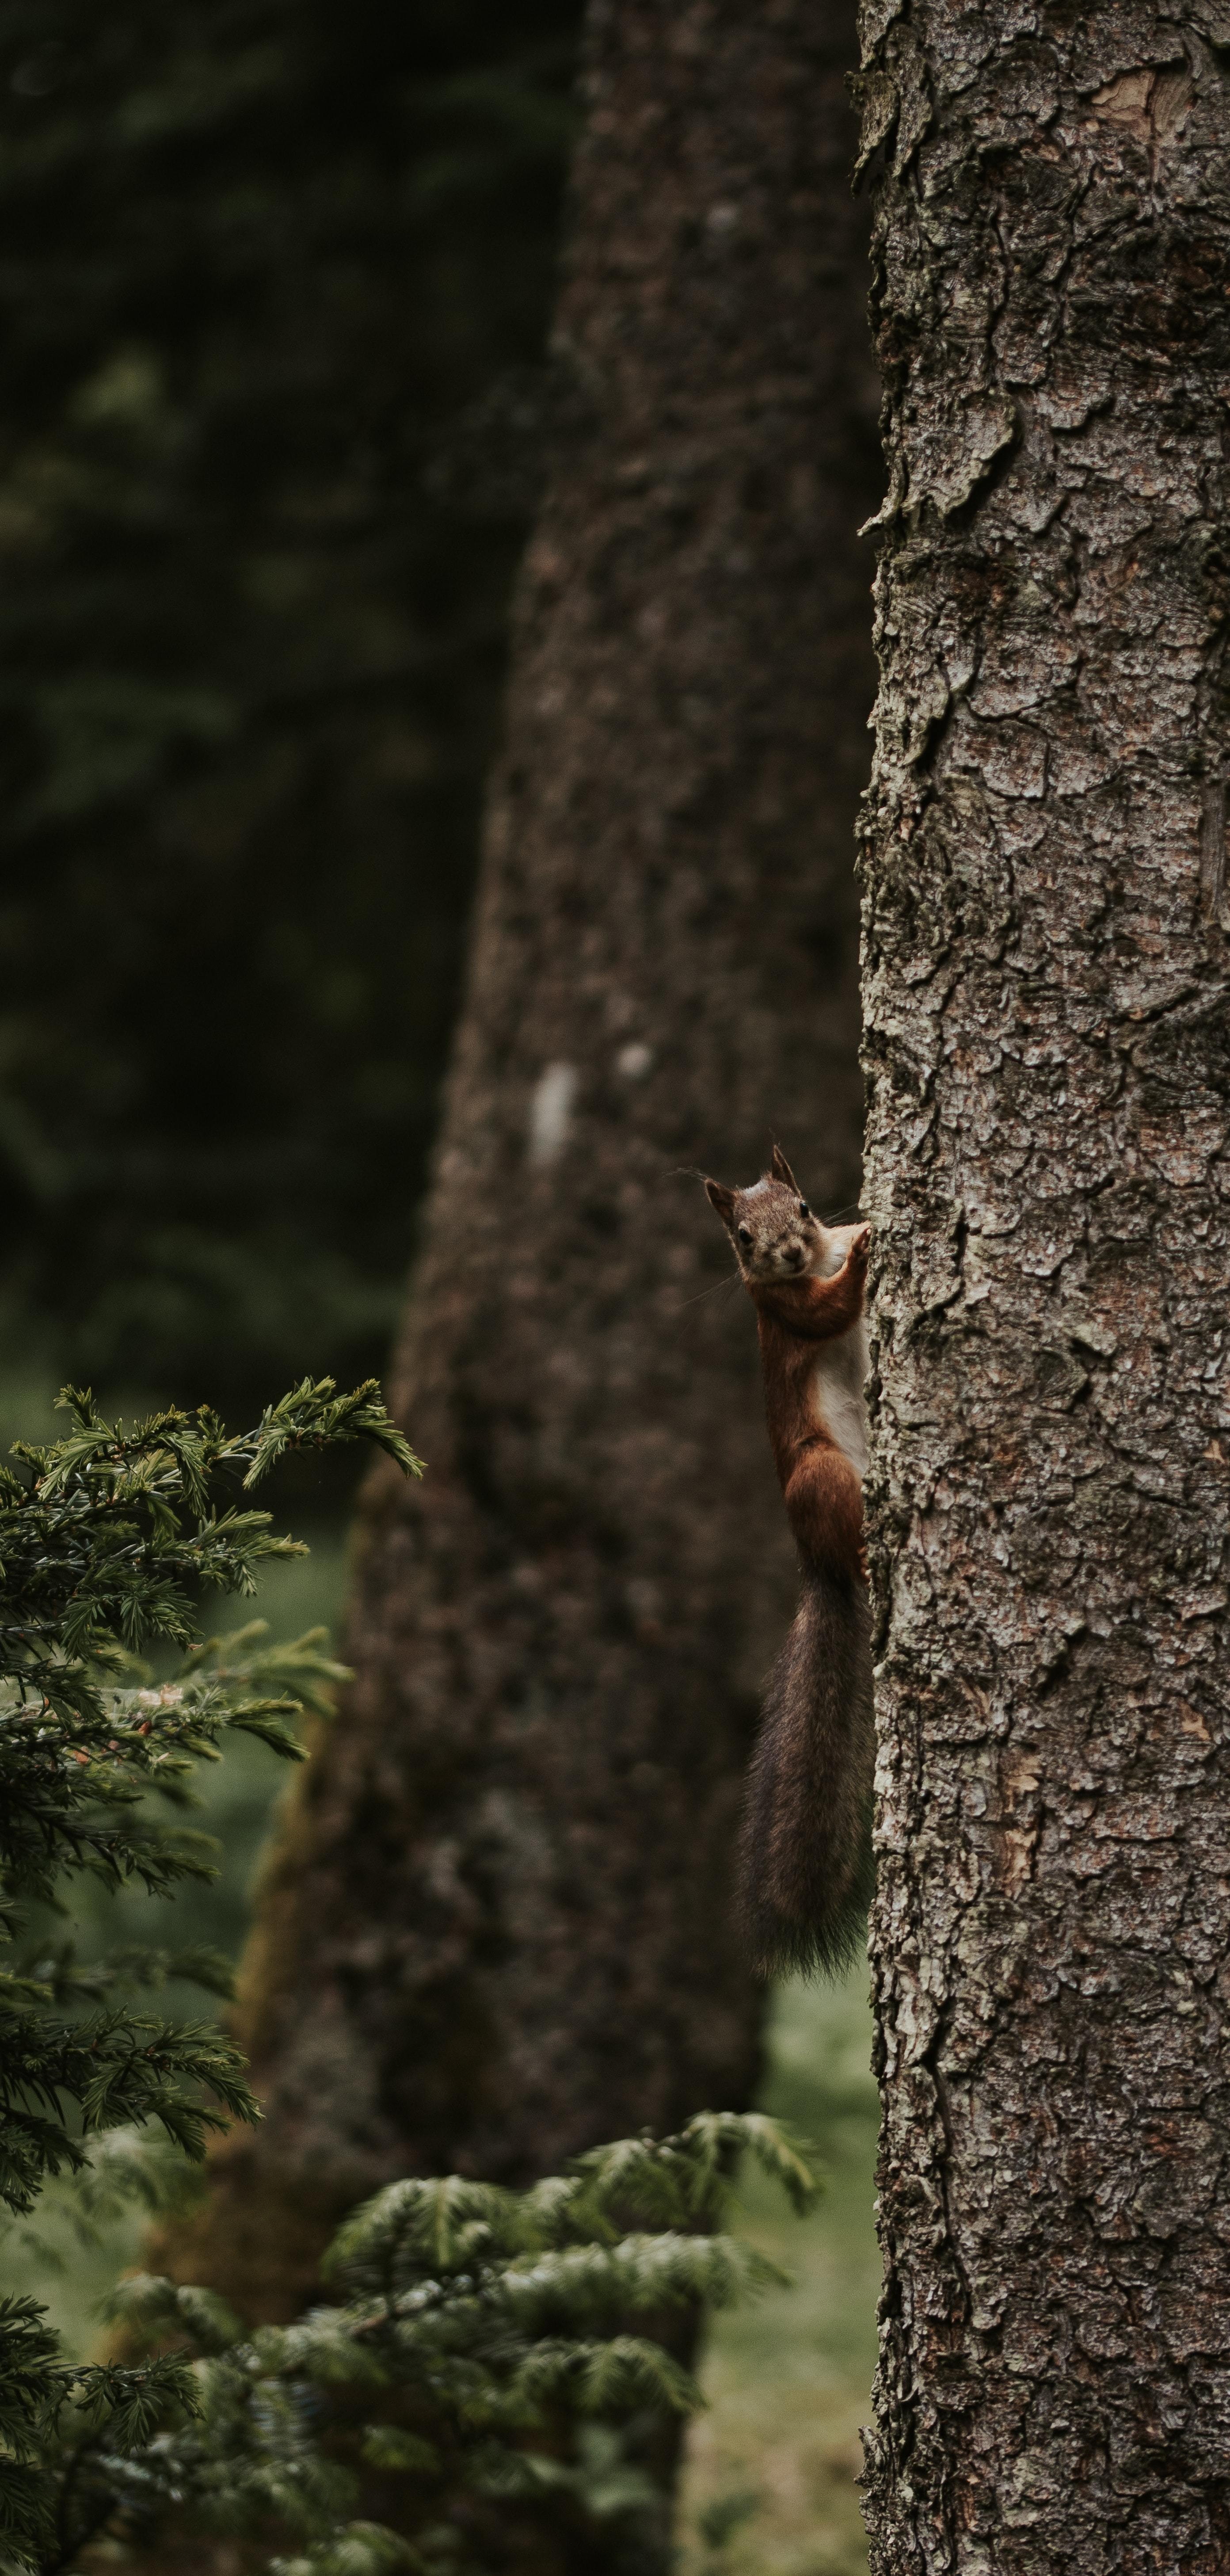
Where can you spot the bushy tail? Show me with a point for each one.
(805, 1848)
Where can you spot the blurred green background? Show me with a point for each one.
(275, 291)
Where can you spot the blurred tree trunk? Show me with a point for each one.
(1047, 1046)
(497, 1926)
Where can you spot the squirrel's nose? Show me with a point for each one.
(795, 1255)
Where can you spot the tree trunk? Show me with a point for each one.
(498, 1925)
(1047, 1050)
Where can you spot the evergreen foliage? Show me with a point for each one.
(274, 296)
(106, 1539)
(489, 2356)
(492, 2353)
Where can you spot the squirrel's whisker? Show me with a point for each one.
(731, 1281)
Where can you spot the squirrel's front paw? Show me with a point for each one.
(859, 1247)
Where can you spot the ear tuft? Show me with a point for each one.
(723, 1200)
(780, 1169)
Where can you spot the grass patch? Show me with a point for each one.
(768, 2486)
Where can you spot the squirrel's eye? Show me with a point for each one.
(745, 1235)
(804, 1209)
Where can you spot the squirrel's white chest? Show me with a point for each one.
(837, 1387)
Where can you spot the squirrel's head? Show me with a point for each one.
(772, 1227)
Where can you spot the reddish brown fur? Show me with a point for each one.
(822, 1492)
(805, 1849)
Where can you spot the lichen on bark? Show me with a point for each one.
(1048, 1059)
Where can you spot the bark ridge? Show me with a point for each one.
(1048, 1058)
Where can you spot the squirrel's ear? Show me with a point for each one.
(780, 1169)
(723, 1200)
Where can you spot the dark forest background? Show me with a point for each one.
(275, 287)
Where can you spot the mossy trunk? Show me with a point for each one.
(498, 1925)
(1046, 997)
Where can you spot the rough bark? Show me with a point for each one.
(499, 1925)
(1045, 988)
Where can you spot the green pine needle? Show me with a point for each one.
(105, 1540)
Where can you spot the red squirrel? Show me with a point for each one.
(805, 1847)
